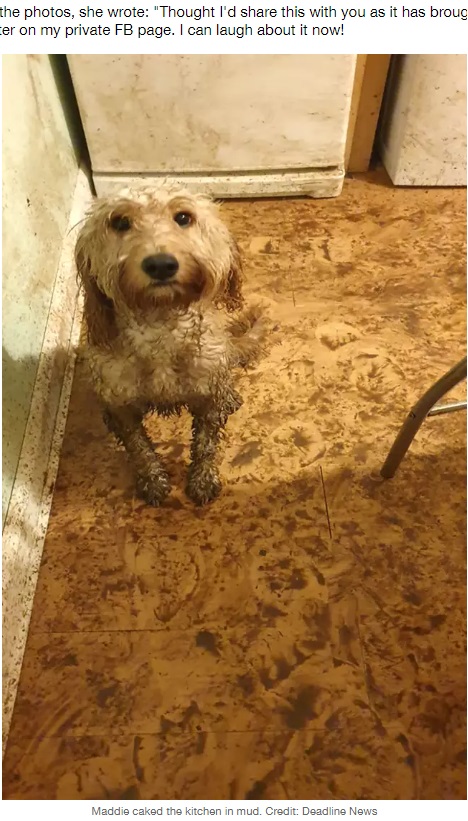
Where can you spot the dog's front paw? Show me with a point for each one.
(203, 485)
(153, 489)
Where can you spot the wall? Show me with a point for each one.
(423, 134)
(39, 177)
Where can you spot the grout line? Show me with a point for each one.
(72, 736)
(293, 294)
(326, 502)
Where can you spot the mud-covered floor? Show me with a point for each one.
(303, 637)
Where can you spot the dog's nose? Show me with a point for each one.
(160, 266)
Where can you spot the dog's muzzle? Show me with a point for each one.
(160, 267)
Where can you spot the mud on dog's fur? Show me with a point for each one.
(166, 325)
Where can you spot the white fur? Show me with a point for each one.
(164, 360)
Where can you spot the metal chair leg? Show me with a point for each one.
(417, 415)
(450, 407)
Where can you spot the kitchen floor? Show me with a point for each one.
(304, 636)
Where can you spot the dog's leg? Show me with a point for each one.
(126, 424)
(249, 332)
(203, 482)
(209, 420)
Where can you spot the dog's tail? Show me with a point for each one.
(249, 332)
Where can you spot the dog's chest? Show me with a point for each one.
(179, 358)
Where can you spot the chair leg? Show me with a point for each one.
(450, 407)
(417, 415)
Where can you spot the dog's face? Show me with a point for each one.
(160, 248)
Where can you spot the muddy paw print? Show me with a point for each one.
(375, 375)
(336, 334)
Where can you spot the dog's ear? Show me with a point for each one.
(99, 310)
(232, 297)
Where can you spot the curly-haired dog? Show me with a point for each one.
(161, 275)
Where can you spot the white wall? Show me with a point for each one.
(39, 178)
(423, 138)
(234, 125)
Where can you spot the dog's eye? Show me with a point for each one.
(183, 218)
(120, 224)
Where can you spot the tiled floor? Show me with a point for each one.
(303, 637)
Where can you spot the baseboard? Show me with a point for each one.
(317, 183)
(31, 498)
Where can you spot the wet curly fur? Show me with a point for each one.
(166, 325)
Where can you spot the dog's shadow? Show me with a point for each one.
(340, 493)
